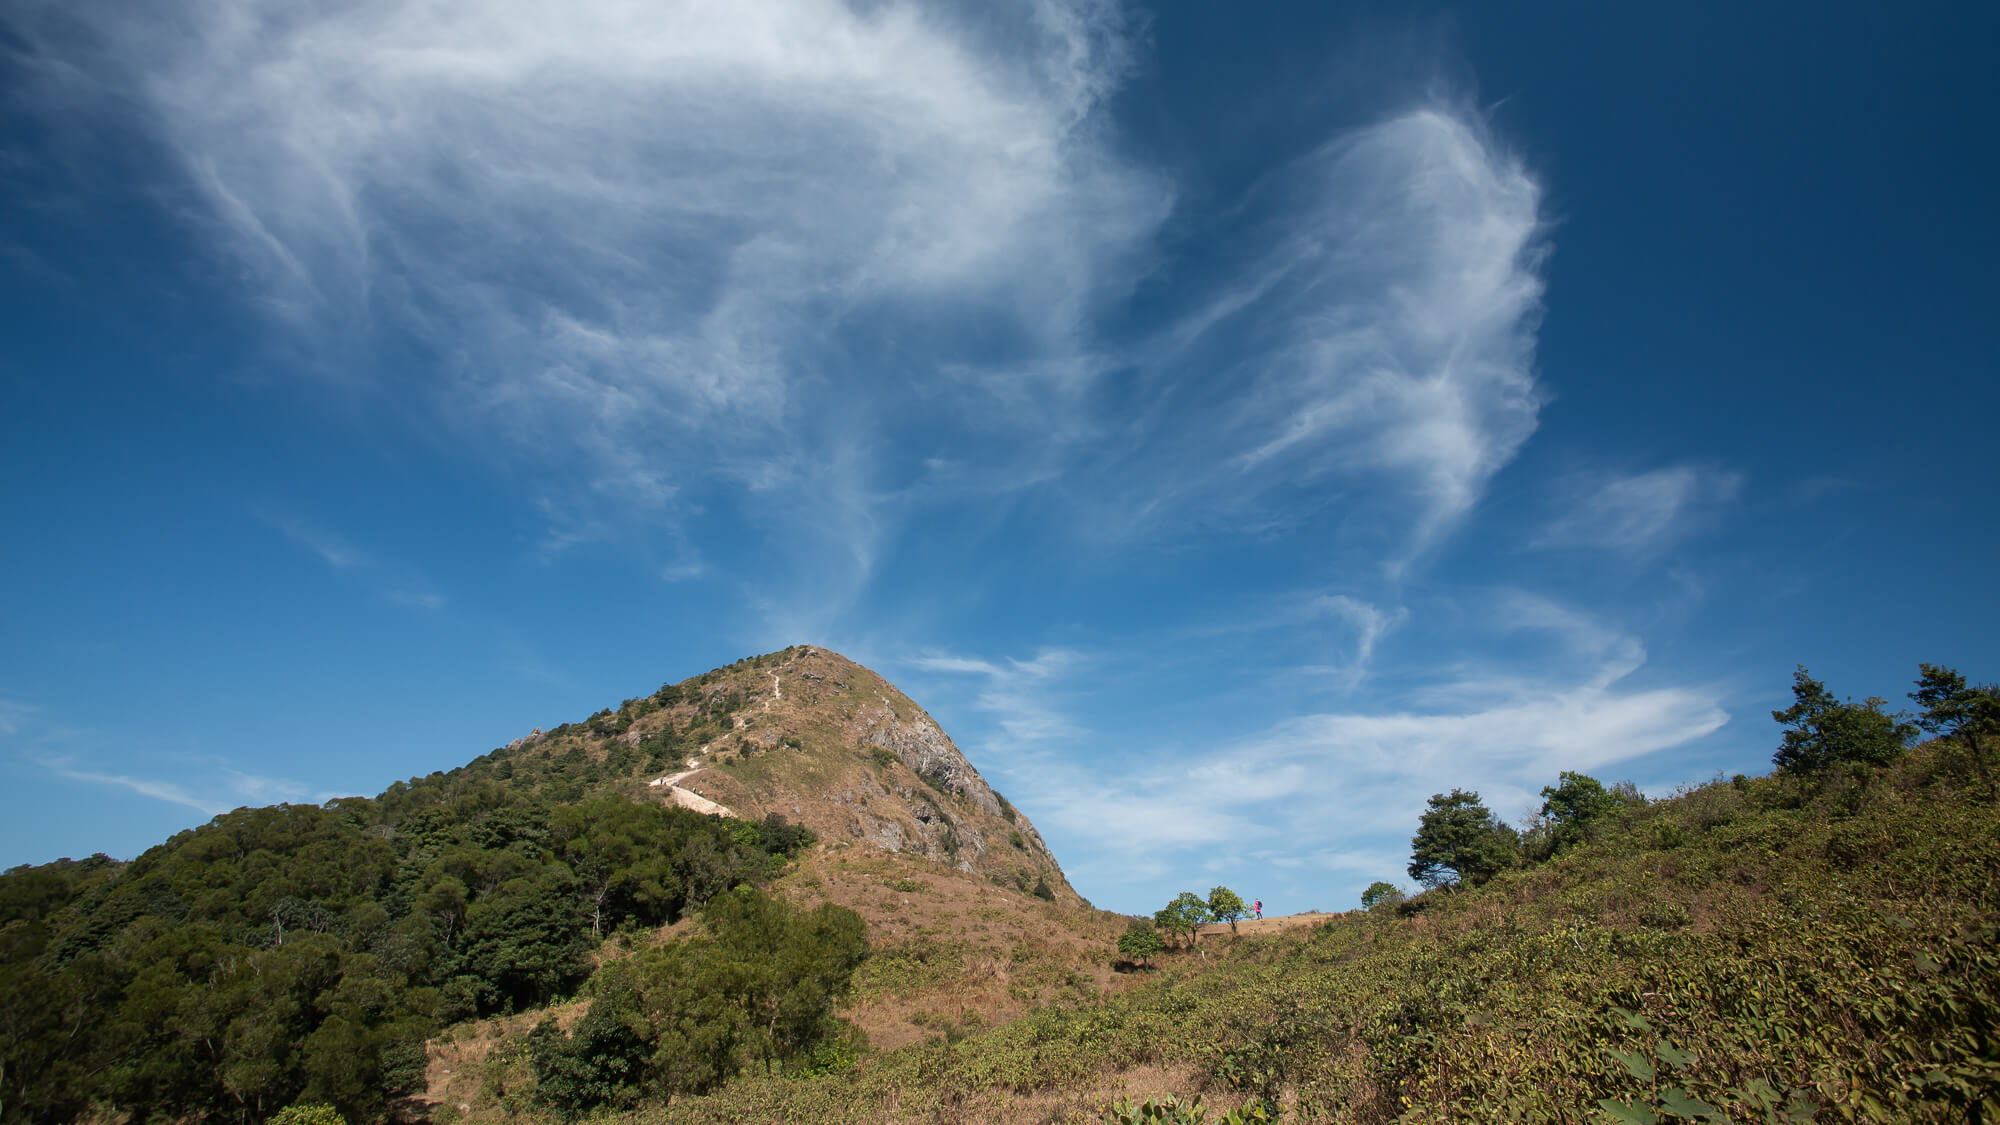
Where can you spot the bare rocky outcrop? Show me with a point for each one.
(930, 752)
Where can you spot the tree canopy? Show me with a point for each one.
(758, 988)
(1576, 806)
(1183, 917)
(1957, 710)
(1380, 892)
(302, 954)
(1823, 731)
(1225, 905)
(1459, 841)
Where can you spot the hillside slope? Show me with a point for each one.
(1753, 950)
(806, 734)
(314, 953)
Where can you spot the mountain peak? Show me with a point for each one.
(809, 735)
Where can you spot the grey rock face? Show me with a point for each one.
(923, 747)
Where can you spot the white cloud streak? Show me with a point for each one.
(1340, 781)
(1389, 327)
(331, 549)
(635, 234)
(223, 788)
(1370, 624)
(14, 716)
(399, 585)
(1020, 694)
(1640, 514)
(145, 787)
(835, 263)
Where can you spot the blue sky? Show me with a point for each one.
(1233, 425)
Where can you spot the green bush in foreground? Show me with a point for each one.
(1141, 942)
(685, 1017)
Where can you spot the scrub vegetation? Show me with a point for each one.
(1821, 944)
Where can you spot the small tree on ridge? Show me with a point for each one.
(1954, 709)
(1226, 906)
(1382, 893)
(1826, 732)
(1574, 806)
(1183, 916)
(1458, 841)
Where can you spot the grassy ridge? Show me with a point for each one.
(1761, 950)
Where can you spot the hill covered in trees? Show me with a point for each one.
(308, 954)
(545, 935)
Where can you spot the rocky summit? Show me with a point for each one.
(813, 737)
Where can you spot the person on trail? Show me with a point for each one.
(1258, 908)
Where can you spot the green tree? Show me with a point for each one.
(1140, 942)
(1183, 917)
(683, 1018)
(1380, 893)
(603, 1060)
(1825, 732)
(1226, 906)
(1576, 806)
(1458, 841)
(527, 937)
(1957, 710)
(787, 969)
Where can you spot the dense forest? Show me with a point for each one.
(301, 953)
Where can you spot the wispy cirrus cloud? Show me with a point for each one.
(170, 792)
(400, 585)
(331, 549)
(1022, 696)
(226, 788)
(838, 267)
(204, 783)
(1642, 513)
(1369, 623)
(644, 242)
(1412, 302)
(14, 716)
(1351, 782)
(1374, 355)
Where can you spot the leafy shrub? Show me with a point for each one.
(1382, 894)
(1140, 942)
(311, 1114)
(685, 1017)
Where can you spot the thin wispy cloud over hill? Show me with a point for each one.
(1231, 443)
